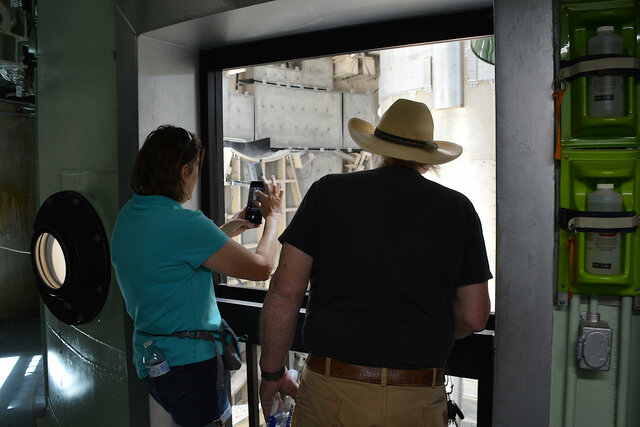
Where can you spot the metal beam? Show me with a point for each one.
(525, 211)
(378, 35)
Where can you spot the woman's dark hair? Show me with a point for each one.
(159, 161)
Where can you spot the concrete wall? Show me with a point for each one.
(167, 91)
(18, 294)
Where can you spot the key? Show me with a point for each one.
(453, 410)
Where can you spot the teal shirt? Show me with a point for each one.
(157, 251)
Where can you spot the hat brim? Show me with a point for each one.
(361, 132)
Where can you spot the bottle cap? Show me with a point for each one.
(604, 28)
(604, 187)
(148, 343)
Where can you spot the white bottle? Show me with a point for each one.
(282, 417)
(603, 249)
(154, 360)
(605, 93)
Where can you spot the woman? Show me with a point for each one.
(163, 256)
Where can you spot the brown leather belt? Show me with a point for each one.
(385, 376)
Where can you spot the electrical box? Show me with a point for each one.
(593, 349)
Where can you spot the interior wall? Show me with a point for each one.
(86, 365)
(582, 397)
(18, 295)
(167, 91)
(147, 15)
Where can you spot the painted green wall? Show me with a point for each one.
(595, 391)
(583, 397)
(77, 150)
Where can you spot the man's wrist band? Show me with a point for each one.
(273, 376)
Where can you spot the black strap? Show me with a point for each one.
(196, 335)
(206, 336)
(429, 146)
(566, 215)
(627, 65)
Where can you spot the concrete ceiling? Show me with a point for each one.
(231, 22)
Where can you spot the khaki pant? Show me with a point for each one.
(325, 401)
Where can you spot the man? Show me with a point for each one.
(398, 269)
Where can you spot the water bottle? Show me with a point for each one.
(606, 93)
(154, 360)
(603, 249)
(282, 417)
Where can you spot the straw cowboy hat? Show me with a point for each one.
(405, 132)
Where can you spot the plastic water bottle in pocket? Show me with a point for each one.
(154, 360)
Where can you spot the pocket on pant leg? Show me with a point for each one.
(435, 414)
(315, 406)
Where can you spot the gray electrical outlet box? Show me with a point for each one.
(593, 349)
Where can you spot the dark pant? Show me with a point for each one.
(189, 394)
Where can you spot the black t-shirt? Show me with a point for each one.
(389, 250)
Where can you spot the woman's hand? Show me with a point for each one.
(270, 202)
(237, 224)
(234, 259)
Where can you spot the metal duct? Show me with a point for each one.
(447, 75)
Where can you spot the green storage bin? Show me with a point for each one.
(581, 171)
(579, 21)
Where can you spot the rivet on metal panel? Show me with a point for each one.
(562, 298)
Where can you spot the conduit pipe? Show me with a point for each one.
(624, 355)
(593, 303)
(571, 376)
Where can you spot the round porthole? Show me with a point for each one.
(70, 257)
(51, 263)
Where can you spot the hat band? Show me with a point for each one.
(430, 146)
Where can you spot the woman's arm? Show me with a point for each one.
(237, 224)
(235, 260)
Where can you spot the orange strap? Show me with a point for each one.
(570, 244)
(557, 95)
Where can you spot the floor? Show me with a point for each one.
(21, 374)
(22, 381)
